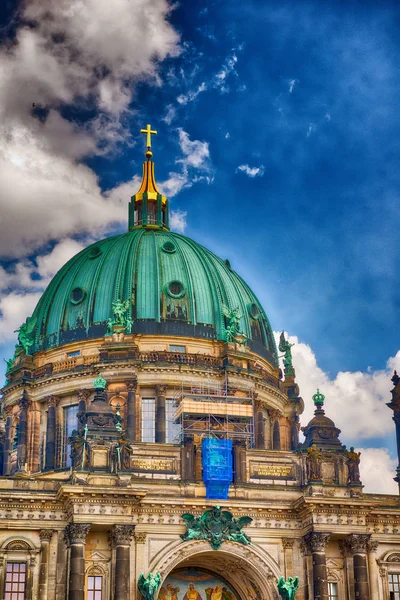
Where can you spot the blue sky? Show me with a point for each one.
(277, 143)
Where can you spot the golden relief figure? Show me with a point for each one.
(192, 593)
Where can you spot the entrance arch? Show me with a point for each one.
(249, 570)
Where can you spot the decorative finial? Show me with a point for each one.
(100, 383)
(319, 399)
(149, 132)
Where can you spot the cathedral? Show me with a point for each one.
(150, 444)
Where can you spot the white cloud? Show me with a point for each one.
(76, 52)
(311, 128)
(14, 309)
(177, 220)
(191, 95)
(251, 171)
(292, 84)
(377, 470)
(227, 135)
(228, 68)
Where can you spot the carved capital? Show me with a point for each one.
(24, 402)
(161, 390)
(8, 411)
(132, 384)
(121, 535)
(46, 535)
(274, 414)
(76, 533)
(287, 543)
(316, 541)
(357, 542)
(83, 394)
(52, 400)
(372, 545)
(140, 537)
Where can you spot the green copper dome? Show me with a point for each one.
(175, 286)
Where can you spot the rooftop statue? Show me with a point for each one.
(121, 316)
(287, 589)
(216, 526)
(353, 462)
(232, 331)
(149, 585)
(25, 334)
(285, 347)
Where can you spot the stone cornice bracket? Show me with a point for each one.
(46, 535)
(52, 400)
(121, 535)
(76, 533)
(357, 542)
(132, 384)
(140, 537)
(287, 543)
(316, 541)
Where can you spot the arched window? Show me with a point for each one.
(96, 583)
(17, 575)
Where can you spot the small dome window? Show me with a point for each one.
(169, 247)
(94, 252)
(77, 295)
(175, 289)
(254, 310)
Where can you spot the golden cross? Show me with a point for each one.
(149, 131)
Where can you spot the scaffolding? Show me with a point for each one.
(207, 410)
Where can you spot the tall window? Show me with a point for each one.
(148, 420)
(173, 429)
(95, 585)
(332, 591)
(394, 586)
(15, 581)
(70, 423)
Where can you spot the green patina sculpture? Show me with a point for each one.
(118, 418)
(287, 589)
(121, 317)
(99, 383)
(216, 526)
(149, 585)
(232, 332)
(285, 347)
(25, 335)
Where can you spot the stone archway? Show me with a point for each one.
(250, 571)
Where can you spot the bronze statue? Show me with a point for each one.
(285, 347)
(313, 461)
(353, 465)
(287, 589)
(149, 585)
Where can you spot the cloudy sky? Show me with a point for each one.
(277, 144)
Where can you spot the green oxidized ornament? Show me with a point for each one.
(285, 347)
(216, 526)
(25, 334)
(149, 585)
(121, 318)
(287, 589)
(232, 331)
(100, 383)
(318, 398)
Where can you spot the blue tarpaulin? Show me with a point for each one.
(217, 467)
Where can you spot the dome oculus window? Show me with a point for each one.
(94, 252)
(77, 295)
(254, 311)
(175, 289)
(169, 247)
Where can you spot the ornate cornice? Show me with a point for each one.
(121, 535)
(316, 541)
(76, 533)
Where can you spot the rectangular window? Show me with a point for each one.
(173, 429)
(177, 348)
(95, 585)
(70, 422)
(15, 584)
(394, 586)
(75, 353)
(332, 591)
(148, 420)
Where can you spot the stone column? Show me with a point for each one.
(294, 432)
(373, 571)
(239, 462)
(316, 543)
(131, 416)
(83, 396)
(7, 442)
(22, 432)
(45, 539)
(188, 458)
(259, 425)
(141, 562)
(287, 544)
(161, 391)
(120, 538)
(357, 543)
(75, 534)
(51, 429)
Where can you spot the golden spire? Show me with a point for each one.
(149, 132)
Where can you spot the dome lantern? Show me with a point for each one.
(148, 208)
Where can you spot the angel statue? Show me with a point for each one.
(287, 589)
(120, 316)
(194, 527)
(232, 331)
(25, 334)
(285, 347)
(149, 585)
